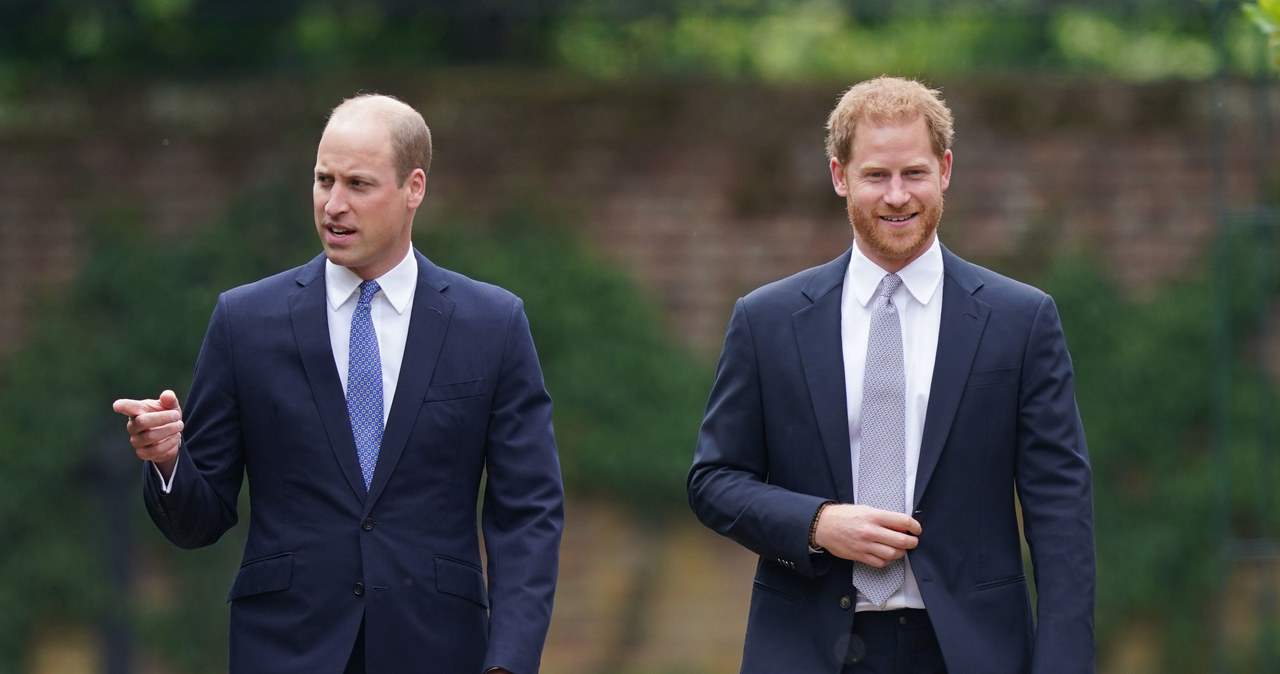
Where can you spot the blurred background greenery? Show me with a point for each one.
(1176, 374)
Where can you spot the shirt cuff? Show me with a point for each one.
(165, 485)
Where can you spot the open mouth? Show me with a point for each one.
(339, 231)
(897, 219)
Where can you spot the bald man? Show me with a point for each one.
(366, 395)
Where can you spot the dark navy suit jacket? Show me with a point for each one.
(321, 553)
(1001, 429)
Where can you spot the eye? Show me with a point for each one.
(324, 181)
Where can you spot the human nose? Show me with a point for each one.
(335, 201)
(897, 194)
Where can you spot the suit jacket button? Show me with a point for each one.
(358, 589)
(846, 603)
(367, 525)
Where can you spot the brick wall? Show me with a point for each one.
(702, 191)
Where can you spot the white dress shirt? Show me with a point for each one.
(919, 302)
(390, 311)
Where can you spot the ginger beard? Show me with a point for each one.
(878, 238)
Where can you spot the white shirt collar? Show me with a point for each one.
(922, 277)
(397, 285)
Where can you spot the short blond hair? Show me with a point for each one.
(410, 137)
(887, 99)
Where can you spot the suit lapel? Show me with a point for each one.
(427, 326)
(963, 319)
(311, 331)
(817, 329)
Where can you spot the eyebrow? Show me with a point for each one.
(357, 174)
(870, 166)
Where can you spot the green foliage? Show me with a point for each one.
(1142, 383)
(771, 40)
(183, 38)
(1265, 14)
(627, 402)
(766, 39)
(1146, 386)
(815, 38)
(1090, 41)
(129, 326)
(1248, 280)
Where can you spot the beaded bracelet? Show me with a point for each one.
(813, 528)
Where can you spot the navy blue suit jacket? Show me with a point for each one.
(1001, 420)
(322, 554)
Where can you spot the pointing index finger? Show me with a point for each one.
(129, 407)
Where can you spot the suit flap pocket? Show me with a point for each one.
(269, 574)
(1000, 582)
(772, 578)
(462, 389)
(460, 580)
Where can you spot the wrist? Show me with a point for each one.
(813, 528)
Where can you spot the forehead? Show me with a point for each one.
(355, 142)
(887, 140)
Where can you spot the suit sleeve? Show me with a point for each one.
(523, 511)
(1055, 491)
(201, 504)
(728, 484)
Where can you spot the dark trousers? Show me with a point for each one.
(356, 664)
(893, 642)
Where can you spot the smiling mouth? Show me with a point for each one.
(897, 218)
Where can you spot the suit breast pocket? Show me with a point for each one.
(1001, 376)
(987, 417)
(455, 390)
(453, 417)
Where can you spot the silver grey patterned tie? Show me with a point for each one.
(882, 459)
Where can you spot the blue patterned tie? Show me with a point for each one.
(364, 383)
(882, 462)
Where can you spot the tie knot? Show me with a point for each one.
(888, 285)
(367, 290)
